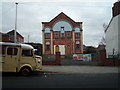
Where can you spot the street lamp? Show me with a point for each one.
(15, 40)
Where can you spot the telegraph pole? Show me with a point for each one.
(15, 40)
(28, 38)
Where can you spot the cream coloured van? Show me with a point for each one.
(19, 58)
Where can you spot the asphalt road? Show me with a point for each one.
(55, 80)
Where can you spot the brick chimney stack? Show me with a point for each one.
(116, 9)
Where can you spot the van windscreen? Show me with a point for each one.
(27, 53)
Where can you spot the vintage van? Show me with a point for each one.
(19, 58)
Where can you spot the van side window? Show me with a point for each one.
(12, 51)
(27, 53)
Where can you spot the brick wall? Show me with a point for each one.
(57, 60)
(10, 38)
(61, 41)
(108, 61)
(61, 16)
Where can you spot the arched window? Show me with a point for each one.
(56, 34)
(57, 48)
(47, 33)
(77, 32)
(47, 30)
(77, 44)
(62, 25)
(47, 45)
(62, 34)
(77, 29)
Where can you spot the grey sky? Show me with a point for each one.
(30, 15)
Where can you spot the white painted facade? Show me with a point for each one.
(119, 35)
(113, 37)
(61, 49)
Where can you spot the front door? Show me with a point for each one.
(57, 48)
(68, 50)
(11, 59)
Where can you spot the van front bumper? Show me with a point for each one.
(38, 69)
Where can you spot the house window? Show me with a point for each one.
(77, 35)
(62, 32)
(62, 28)
(47, 35)
(77, 44)
(56, 34)
(47, 45)
(62, 35)
(68, 34)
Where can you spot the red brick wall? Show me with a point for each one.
(61, 17)
(63, 41)
(56, 62)
(5, 38)
(108, 61)
(20, 39)
(65, 35)
(66, 40)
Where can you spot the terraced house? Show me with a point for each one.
(112, 33)
(62, 34)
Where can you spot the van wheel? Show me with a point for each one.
(25, 71)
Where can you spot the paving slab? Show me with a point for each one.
(81, 69)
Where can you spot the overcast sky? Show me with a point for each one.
(93, 14)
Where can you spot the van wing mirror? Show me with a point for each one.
(35, 49)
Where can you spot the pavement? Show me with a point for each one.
(80, 69)
(74, 69)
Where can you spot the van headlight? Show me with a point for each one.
(39, 61)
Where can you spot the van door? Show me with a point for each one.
(11, 59)
(27, 57)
